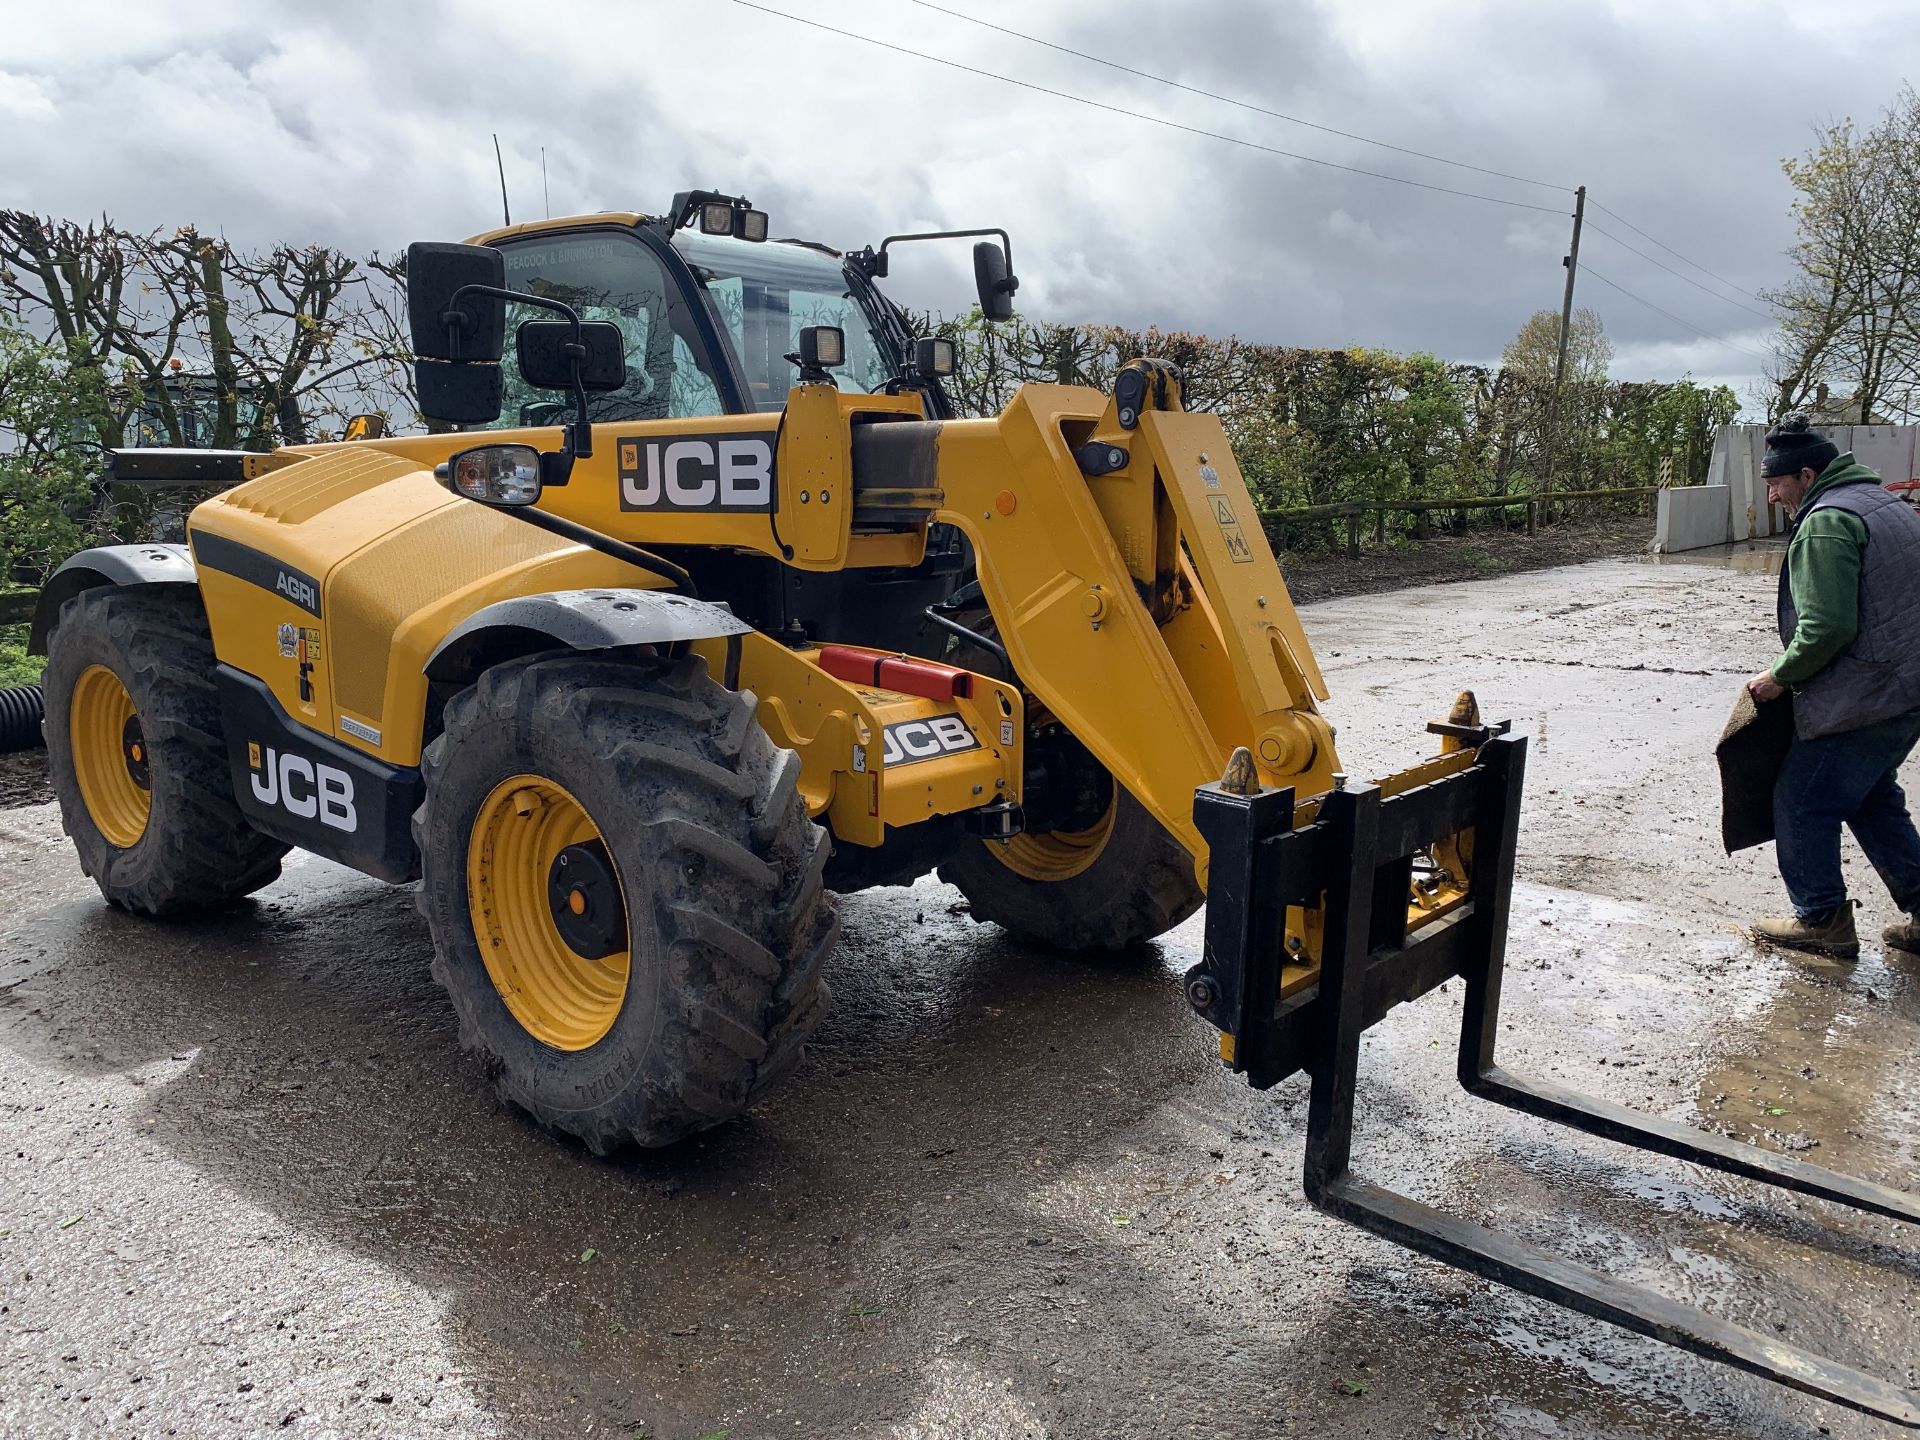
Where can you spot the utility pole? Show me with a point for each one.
(1572, 263)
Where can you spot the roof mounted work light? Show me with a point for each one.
(717, 214)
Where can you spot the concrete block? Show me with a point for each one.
(1693, 517)
(1888, 449)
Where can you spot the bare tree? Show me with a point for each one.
(1851, 316)
(214, 345)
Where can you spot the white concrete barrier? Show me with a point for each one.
(1692, 517)
(1732, 505)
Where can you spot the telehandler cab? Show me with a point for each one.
(632, 679)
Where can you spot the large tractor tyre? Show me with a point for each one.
(138, 757)
(1112, 885)
(1111, 882)
(625, 892)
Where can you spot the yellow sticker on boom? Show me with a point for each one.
(1237, 548)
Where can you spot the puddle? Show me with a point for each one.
(1752, 557)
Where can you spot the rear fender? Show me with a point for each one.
(575, 620)
(106, 565)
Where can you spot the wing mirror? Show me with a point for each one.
(457, 316)
(993, 273)
(457, 312)
(546, 350)
(994, 281)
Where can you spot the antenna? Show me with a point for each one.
(544, 195)
(506, 215)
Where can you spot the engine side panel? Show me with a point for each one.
(333, 580)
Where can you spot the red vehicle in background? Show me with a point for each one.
(1907, 490)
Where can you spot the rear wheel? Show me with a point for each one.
(137, 757)
(625, 892)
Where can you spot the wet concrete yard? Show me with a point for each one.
(250, 1185)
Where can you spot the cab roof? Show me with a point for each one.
(559, 222)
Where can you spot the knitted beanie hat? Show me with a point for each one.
(1794, 445)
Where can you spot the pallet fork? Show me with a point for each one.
(1355, 857)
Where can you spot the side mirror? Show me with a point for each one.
(459, 394)
(995, 285)
(496, 474)
(545, 362)
(456, 342)
(436, 273)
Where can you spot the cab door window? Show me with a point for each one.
(613, 276)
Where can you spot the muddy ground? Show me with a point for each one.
(251, 1186)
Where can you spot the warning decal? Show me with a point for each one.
(1237, 547)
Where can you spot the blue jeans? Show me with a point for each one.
(1851, 779)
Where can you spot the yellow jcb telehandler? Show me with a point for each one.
(701, 605)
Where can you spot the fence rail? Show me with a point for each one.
(1353, 511)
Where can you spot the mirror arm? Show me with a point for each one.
(879, 257)
(580, 433)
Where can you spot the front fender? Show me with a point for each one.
(106, 565)
(576, 620)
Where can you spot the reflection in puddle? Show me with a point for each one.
(1753, 557)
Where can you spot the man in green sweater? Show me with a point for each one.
(1849, 618)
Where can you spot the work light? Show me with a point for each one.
(823, 347)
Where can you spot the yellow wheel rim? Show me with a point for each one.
(1057, 855)
(561, 997)
(110, 757)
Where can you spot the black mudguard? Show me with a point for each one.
(576, 620)
(107, 565)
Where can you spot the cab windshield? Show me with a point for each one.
(763, 294)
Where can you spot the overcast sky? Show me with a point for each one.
(366, 125)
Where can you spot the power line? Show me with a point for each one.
(1368, 140)
(1678, 320)
(1723, 299)
(1677, 255)
(1365, 140)
(1230, 100)
(1140, 115)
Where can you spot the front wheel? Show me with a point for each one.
(1110, 884)
(625, 893)
(1098, 872)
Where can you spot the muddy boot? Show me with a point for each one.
(1904, 936)
(1832, 936)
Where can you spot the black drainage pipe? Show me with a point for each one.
(21, 709)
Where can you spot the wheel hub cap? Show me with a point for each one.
(545, 901)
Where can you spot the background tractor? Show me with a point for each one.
(701, 605)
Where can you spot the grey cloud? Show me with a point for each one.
(365, 125)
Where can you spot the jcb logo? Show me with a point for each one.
(912, 740)
(712, 473)
(303, 788)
